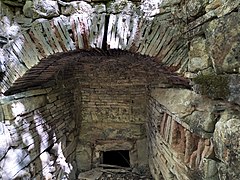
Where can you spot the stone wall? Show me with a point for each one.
(197, 39)
(38, 134)
(176, 151)
(189, 135)
(213, 33)
(37, 33)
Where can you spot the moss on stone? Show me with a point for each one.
(212, 85)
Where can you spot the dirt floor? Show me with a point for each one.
(108, 175)
(101, 173)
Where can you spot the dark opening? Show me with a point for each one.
(118, 158)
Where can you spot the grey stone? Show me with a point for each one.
(73, 173)
(234, 89)
(227, 7)
(45, 8)
(28, 9)
(23, 20)
(14, 163)
(210, 169)
(9, 30)
(18, 107)
(113, 145)
(214, 4)
(92, 174)
(83, 157)
(190, 107)
(142, 152)
(100, 8)
(14, 3)
(123, 6)
(194, 7)
(198, 55)
(81, 7)
(226, 141)
(5, 140)
(222, 38)
(212, 85)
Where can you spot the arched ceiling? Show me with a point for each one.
(73, 66)
(43, 48)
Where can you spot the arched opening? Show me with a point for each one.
(98, 97)
(49, 68)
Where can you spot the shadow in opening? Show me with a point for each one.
(118, 158)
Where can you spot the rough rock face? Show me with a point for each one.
(188, 106)
(29, 140)
(192, 133)
(198, 55)
(37, 9)
(226, 140)
(174, 147)
(5, 142)
(222, 36)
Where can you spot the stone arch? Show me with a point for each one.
(177, 34)
(156, 36)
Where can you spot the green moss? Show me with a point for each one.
(212, 85)
(108, 3)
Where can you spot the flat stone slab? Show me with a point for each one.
(90, 175)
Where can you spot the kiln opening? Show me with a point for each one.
(118, 158)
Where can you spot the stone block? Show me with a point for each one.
(191, 108)
(22, 106)
(226, 140)
(14, 162)
(210, 170)
(198, 55)
(214, 4)
(83, 157)
(234, 88)
(92, 174)
(91, 132)
(5, 140)
(113, 145)
(223, 52)
(39, 9)
(52, 97)
(194, 7)
(142, 152)
(212, 85)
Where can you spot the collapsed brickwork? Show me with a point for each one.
(66, 96)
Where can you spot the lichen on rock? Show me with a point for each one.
(226, 142)
(222, 38)
(121, 6)
(198, 55)
(213, 85)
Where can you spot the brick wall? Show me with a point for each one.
(112, 108)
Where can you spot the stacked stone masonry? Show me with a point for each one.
(51, 99)
(41, 134)
(86, 28)
(174, 149)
